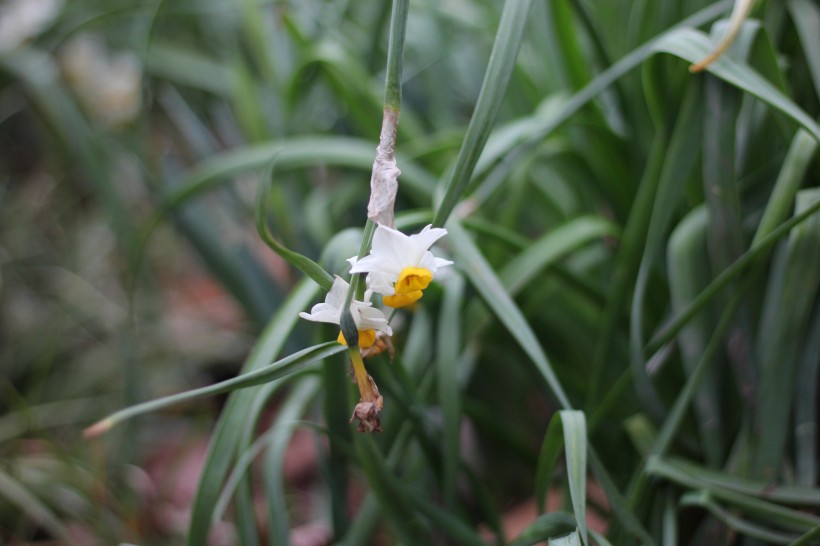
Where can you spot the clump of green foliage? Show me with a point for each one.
(632, 311)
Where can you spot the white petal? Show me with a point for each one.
(370, 318)
(323, 312)
(331, 310)
(338, 293)
(381, 283)
(428, 236)
(392, 246)
(377, 262)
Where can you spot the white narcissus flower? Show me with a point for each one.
(400, 267)
(367, 318)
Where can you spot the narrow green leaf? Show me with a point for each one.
(678, 159)
(481, 275)
(697, 477)
(496, 78)
(756, 252)
(449, 391)
(446, 520)
(555, 244)
(740, 525)
(720, 185)
(336, 410)
(250, 113)
(805, 407)
(544, 527)
(293, 153)
(790, 178)
(789, 298)
(670, 522)
(281, 368)
(575, 440)
(687, 264)
(810, 537)
(303, 263)
(692, 45)
(234, 417)
(806, 17)
(548, 456)
(617, 502)
(786, 518)
(187, 67)
(555, 110)
(292, 408)
(394, 500)
(564, 33)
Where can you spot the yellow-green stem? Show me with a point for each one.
(361, 376)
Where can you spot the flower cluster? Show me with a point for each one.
(399, 268)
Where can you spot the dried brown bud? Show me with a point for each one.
(383, 343)
(367, 410)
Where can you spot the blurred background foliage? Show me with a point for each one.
(621, 236)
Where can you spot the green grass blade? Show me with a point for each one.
(449, 391)
(294, 153)
(222, 450)
(548, 456)
(732, 521)
(336, 411)
(564, 33)
(445, 520)
(556, 111)
(292, 408)
(689, 273)
(670, 522)
(786, 518)
(805, 407)
(544, 527)
(810, 537)
(789, 298)
(303, 263)
(780, 203)
(692, 45)
(539, 256)
(284, 367)
(499, 69)
(617, 502)
(190, 68)
(696, 476)
(720, 186)
(558, 242)
(679, 158)
(749, 258)
(806, 18)
(486, 283)
(394, 500)
(575, 440)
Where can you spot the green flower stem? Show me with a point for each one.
(392, 107)
(395, 55)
